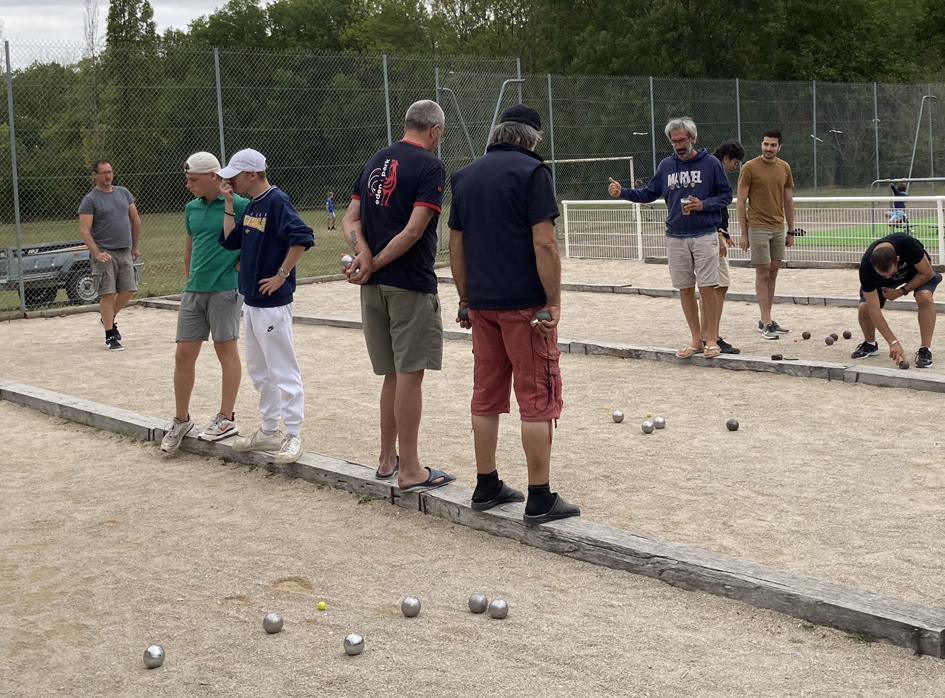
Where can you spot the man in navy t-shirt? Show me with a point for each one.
(271, 238)
(893, 267)
(391, 228)
(504, 257)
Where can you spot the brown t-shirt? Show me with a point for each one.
(766, 182)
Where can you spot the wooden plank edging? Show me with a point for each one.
(906, 624)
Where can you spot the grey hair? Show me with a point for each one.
(683, 122)
(424, 114)
(516, 133)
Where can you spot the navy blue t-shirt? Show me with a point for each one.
(910, 252)
(264, 233)
(396, 180)
(496, 201)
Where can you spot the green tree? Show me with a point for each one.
(239, 23)
(389, 26)
(129, 22)
(312, 24)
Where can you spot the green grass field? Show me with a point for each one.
(923, 229)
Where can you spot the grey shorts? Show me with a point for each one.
(693, 261)
(766, 244)
(203, 314)
(117, 275)
(724, 276)
(403, 329)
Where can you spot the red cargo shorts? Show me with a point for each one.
(505, 347)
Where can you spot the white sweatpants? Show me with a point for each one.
(271, 362)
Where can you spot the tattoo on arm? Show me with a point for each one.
(354, 237)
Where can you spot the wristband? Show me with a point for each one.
(229, 213)
(895, 341)
(904, 291)
(282, 273)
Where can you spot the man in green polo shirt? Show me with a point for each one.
(210, 303)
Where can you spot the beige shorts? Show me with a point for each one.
(693, 261)
(724, 278)
(116, 275)
(767, 245)
(403, 329)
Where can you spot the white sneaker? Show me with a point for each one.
(258, 441)
(222, 427)
(176, 431)
(290, 451)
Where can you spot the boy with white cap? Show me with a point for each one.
(271, 237)
(210, 303)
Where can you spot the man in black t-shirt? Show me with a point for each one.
(893, 267)
(391, 228)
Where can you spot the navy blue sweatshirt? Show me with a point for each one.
(264, 233)
(675, 179)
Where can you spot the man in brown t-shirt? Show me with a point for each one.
(765, 199)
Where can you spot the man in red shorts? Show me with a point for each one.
(504, 257)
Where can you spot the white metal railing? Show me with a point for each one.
(838, 228)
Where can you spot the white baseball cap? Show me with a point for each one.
(248, 160)
(201, 163)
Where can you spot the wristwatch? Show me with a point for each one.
(904, 291)
(283, 274)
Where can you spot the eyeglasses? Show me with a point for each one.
(679, 141)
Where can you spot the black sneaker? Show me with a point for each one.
(114, 327)
(769, 332)
(923, 358)
(727, 348)
(112, 344)
(865, 349)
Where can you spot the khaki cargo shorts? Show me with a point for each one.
(724, 277)
(766, 245)
(693, 261)
(403, 329)
(117, 274)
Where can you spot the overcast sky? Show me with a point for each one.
(62, 20)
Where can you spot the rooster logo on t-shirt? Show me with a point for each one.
(383, 181)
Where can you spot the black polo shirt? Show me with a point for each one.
(496, 201)
(910, 252)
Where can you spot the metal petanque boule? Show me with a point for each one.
(618, 416)
(346, 259)
(410, 607)
(154, 656)
(835, 336)
(272, 623)
(659, 422)
(463, 315)
(847, 334)
(478, 603)
(498, 609)
(354, 644)
(648, 427)
(732, 425)
(805, 335)
(829, 340)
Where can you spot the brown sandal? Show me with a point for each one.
(687, 352)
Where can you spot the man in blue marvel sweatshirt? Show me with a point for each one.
(271, 238)
(696, 191)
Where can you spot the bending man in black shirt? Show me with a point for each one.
(893, 267)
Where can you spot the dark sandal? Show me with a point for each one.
(559, 510)
(429, 482)
(506, 495)
(377, 473)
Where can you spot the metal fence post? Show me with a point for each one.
(16, 187)
(551, 126)
(652, 126)
(436, 80)
(931, 145)
(387, 99)
(216, 70)
(941, 230)
(518, 74)
(738, 109)
(814, 134)
(876, 127)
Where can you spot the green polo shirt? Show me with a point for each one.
(211, 266)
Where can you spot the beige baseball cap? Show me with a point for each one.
(201, 163)
(247, 160)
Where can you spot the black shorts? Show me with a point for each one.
(930, 287)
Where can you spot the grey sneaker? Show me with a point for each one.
(923, 358)
(770, 332)
(290, 451)
(175, 433)
(778, 328)
(258, 441)
(222, 427)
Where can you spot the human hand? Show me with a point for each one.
(892, 293)
(361, 268)
(789, 240)
(544, 327)
(897, 353)
(269, 286)
(227, 190)
(102, 256)
(614, 188)
(134, 254)
(723, 251)
(693, 204)
(743, 242)
(462, 316)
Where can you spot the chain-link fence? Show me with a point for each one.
(318, 117)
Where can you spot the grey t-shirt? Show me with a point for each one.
(111, 227)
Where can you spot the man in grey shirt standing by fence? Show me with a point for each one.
(110, 227)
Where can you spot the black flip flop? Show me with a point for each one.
(378, 476)
(559, 510)
(506, 495)
(429, 482)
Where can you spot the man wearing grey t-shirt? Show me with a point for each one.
(110, 227)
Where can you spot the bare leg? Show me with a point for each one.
(702, 322)
(229, 355)
(687, 297)
(926, 317)
(536, 440)
(185, 358)
(486, 437)
(762, 286)
(408, 406)
(106, 308)
(720, 292)
(866, 323)
(388, 457)
(711, 313)
(772, 280)
(121, 301)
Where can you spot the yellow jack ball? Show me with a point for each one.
(321, 605)
(648, 414)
